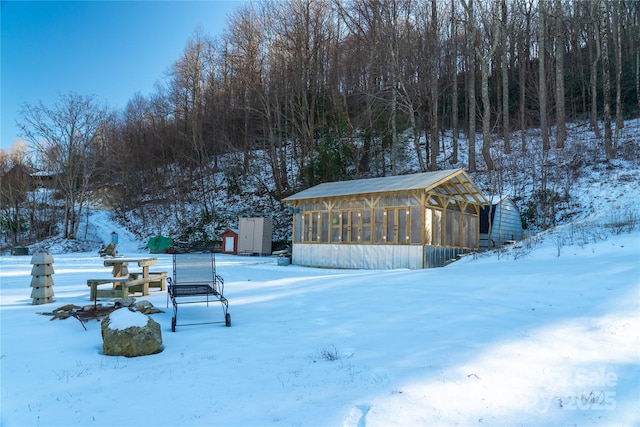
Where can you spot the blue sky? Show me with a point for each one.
(110, 49)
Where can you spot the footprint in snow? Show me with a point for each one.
(357, 416)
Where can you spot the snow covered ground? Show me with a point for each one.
(544, 334)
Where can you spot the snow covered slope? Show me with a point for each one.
(535, 339)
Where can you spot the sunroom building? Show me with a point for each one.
(409, 221)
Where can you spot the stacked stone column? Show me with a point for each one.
(41, 278)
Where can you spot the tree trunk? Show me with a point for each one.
(506, 127)
(472, 114)
(454, 89)
(595, 57)
(485, 59)
(471, 89)
(486, 116)
(433, 90)
(523, 59)
(606, 86)
(561, 128)
(617, 48)
(542, 80)
(638, 74)
(394, 126)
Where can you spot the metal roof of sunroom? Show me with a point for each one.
(451, 182)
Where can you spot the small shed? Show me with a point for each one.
(413, 221)
(229, 241)
(254, 236)
(500, 223)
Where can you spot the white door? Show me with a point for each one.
(228, 243)
(249, 235)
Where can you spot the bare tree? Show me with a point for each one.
(595, 54)
(617, 51)
(65, 136)
(192, 74)
(389, 16)
(609, 148)
(485, 52)
(542, 78)
(561, 127)
(130, 154)
(434, 66)
(15, 185)
(454, 88)
(300, 48)
(636, 39)
(525, 12)
(504, 71)
(362, 76)
(471, 81)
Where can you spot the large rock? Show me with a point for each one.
(130, 333)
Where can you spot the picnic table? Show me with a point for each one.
(125, 282)
(121, 265)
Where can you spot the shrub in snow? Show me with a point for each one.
(331, 354)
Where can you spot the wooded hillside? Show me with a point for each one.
(299, 92)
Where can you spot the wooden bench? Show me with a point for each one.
(142, 284)
(116, 291)
(123, 286)
(158, 280)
